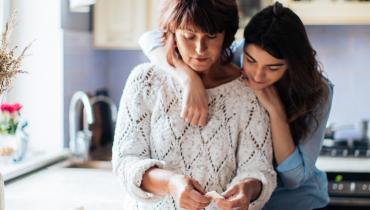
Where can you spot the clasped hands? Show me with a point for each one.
(190, 195)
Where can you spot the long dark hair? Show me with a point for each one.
(303, 88)
(210, 16)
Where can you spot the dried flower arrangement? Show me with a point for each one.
(10, 63)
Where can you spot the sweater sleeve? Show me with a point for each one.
(131, 152)
(254, 154)
(300, 165)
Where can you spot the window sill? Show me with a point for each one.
(32, 162)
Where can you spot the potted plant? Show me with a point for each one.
(12, 136)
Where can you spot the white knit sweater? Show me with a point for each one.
(234, 145)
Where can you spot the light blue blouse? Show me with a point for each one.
(301, 186)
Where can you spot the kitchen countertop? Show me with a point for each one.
(65, 189)
(60, 188)
(343, 164)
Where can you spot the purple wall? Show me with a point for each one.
(120, 65)
(84, 68)
(344, 52)
(89, 69)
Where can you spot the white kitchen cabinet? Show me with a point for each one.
(119, 23)
(331, 12)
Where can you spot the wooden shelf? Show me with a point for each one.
(327, 12)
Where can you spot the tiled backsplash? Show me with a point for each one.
(89, 69)
(344, 52)
(84, 68)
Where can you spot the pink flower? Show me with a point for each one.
(11, 108)
(4, 107)
(17, 107)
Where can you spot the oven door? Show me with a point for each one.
(346, 203)
(349, 190)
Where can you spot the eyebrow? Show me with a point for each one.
(270, 65)
(188, 30)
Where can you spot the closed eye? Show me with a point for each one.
(274, 68)
(212, 36)
(250, 60)
(188, 37)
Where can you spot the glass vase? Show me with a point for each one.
(8, 147)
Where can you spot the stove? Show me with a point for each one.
(346, 148)
(345, 157)
(349, 190)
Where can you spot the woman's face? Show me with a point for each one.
(199, 50)
(261, 68)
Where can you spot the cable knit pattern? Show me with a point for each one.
(234, 145)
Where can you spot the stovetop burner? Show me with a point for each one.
(346, 149)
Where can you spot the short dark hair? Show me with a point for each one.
(210, 16)
(303, 88)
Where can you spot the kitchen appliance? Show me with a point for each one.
(345, 157)
(346, 148)
(353, 142)
(349, 190)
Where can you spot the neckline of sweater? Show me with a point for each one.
(224, 86)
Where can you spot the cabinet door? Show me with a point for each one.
(119, 23)
(331, 12)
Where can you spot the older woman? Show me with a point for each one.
(166, 163)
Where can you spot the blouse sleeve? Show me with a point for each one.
(254, 154)
(150, 41)
(237, 47)
(131, 152)
(300, 165)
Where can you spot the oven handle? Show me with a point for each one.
(349, 201)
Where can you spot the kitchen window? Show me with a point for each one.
(40, 90)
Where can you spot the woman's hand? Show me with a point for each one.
(240, 195)
(235, 197)
(270, 100)
(194, 108)
(188, 193)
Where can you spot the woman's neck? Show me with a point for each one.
(219, 74)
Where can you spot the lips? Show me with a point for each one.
(201, 59)
(254, 81)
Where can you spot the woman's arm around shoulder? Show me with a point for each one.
(195, 100)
